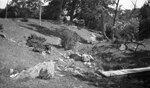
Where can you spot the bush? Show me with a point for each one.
(24, 20)
(37, 43)
(69, 38)
(127, 31)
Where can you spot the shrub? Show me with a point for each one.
(36, 42)
(69, 38)
(127, 31)
(24, 20)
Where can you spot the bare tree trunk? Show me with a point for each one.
(104, 25)
(134, 8)
(61, 9)
(114, 20)
(6, 9)
(40, 12)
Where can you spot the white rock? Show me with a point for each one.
(11, 71)
(93, 37)
(122, 47)
(34, 72)
(87, 58)
(14, 75)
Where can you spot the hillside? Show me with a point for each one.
(15, 54)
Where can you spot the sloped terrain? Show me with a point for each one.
(15, 54)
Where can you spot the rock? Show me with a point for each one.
(87, 58)
(76, 57)
(53, 41)
(35, 71)
(122, 47)
(92, 38)
(45, 70)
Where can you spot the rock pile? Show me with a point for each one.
(45, 70)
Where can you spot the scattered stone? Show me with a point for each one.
(93, 37)
(14, 75)
(82, 58)
(45, 70)
(87, 58)
(76, 57)
(122, 47)
(13, 71)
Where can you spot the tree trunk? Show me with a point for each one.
(104, 26)
(72, 9)
(114, 20)
(40, 12)
(6, 9)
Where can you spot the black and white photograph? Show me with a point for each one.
(74, 43)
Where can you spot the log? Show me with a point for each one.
(123, 71)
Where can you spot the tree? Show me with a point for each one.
(53, 10)
(24, 8)
(72, 6)
(144, 19)
(117, 4)
(40, 11)
(134, 8)
(114, 20)
(6, 9)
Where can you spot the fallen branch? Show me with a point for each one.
(123, 71)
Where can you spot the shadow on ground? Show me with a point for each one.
(57, 32)
(132, 60)
(42, 30)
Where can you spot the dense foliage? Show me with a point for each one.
(93, 14)
(144, 25)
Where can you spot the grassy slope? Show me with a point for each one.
(20, 57)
